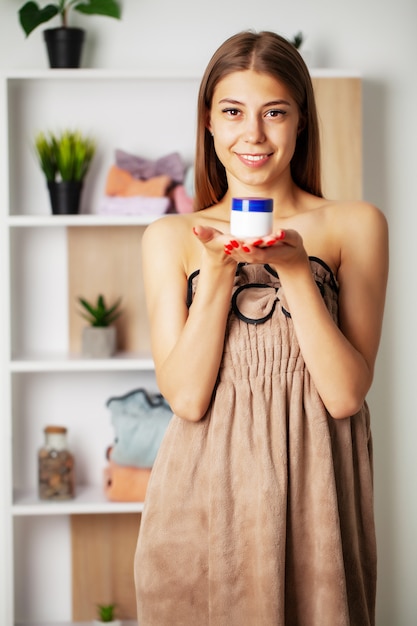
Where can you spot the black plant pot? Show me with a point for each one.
(64, 46)
(65, 196)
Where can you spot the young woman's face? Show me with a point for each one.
(255, 123)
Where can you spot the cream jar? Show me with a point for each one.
(251, 217)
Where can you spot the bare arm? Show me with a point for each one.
(187, 344)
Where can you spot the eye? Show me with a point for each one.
(231, 112)
(276, 113)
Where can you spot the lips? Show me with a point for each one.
(253, 160)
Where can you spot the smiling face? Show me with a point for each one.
(255, 122)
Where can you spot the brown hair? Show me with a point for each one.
(263, 52)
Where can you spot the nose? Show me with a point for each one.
(254, 131)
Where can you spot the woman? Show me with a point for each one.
(259, 510)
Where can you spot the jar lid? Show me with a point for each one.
(55, 430)
(253, 205)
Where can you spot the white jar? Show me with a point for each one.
(251, 217)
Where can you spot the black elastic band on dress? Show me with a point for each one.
(250, 320)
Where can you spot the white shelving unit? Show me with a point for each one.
(144, 114)
(43, 380)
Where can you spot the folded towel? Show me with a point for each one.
(170, 165)
(182, 202)
(136, 205)
(125, 484)
(121, 183)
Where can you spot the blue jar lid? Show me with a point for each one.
(253, 205)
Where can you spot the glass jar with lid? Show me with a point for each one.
(55, 466)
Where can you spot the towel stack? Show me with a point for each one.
(139, 186)
(140, 419)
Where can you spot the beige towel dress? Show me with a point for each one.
(261, 514)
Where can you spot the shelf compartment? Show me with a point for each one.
(139, 103)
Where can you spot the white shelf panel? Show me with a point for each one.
(76, 363)
(88, 499)
(50, 221)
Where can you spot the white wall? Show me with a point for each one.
(377, 38)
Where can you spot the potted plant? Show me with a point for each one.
(64, 159)
(64, 44)
(297, 40)
(106, 615)
(99, 339)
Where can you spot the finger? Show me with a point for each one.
(270, 240)
(205, 233)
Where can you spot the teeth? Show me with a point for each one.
(253, 157)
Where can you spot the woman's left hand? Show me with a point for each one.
(283, 248)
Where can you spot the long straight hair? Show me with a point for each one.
(272, 54)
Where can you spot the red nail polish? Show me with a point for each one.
(271, 243)
(228, 246)
(226, 251)
(257, 242)
(281, 235)
(245, 249)
(234, 243)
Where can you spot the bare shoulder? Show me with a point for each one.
(362, 232)
(357, 215)
(167, 228)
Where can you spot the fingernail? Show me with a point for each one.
(271, 243)
(245, 249)
(226, 251)
(281, 235)
(257, 242)
(228, 246)
(234, 243)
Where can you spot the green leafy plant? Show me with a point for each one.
(66, 156)
(106, 612)
(297, 40)
(31, 15)
(100, 314)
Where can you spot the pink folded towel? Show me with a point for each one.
(183, 203)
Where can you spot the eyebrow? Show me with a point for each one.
(266, 104)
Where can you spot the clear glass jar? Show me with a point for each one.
(55, 466)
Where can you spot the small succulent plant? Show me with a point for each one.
(65, 156)
(99, 314)
(106, 612)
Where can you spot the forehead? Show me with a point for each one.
(250, 86)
